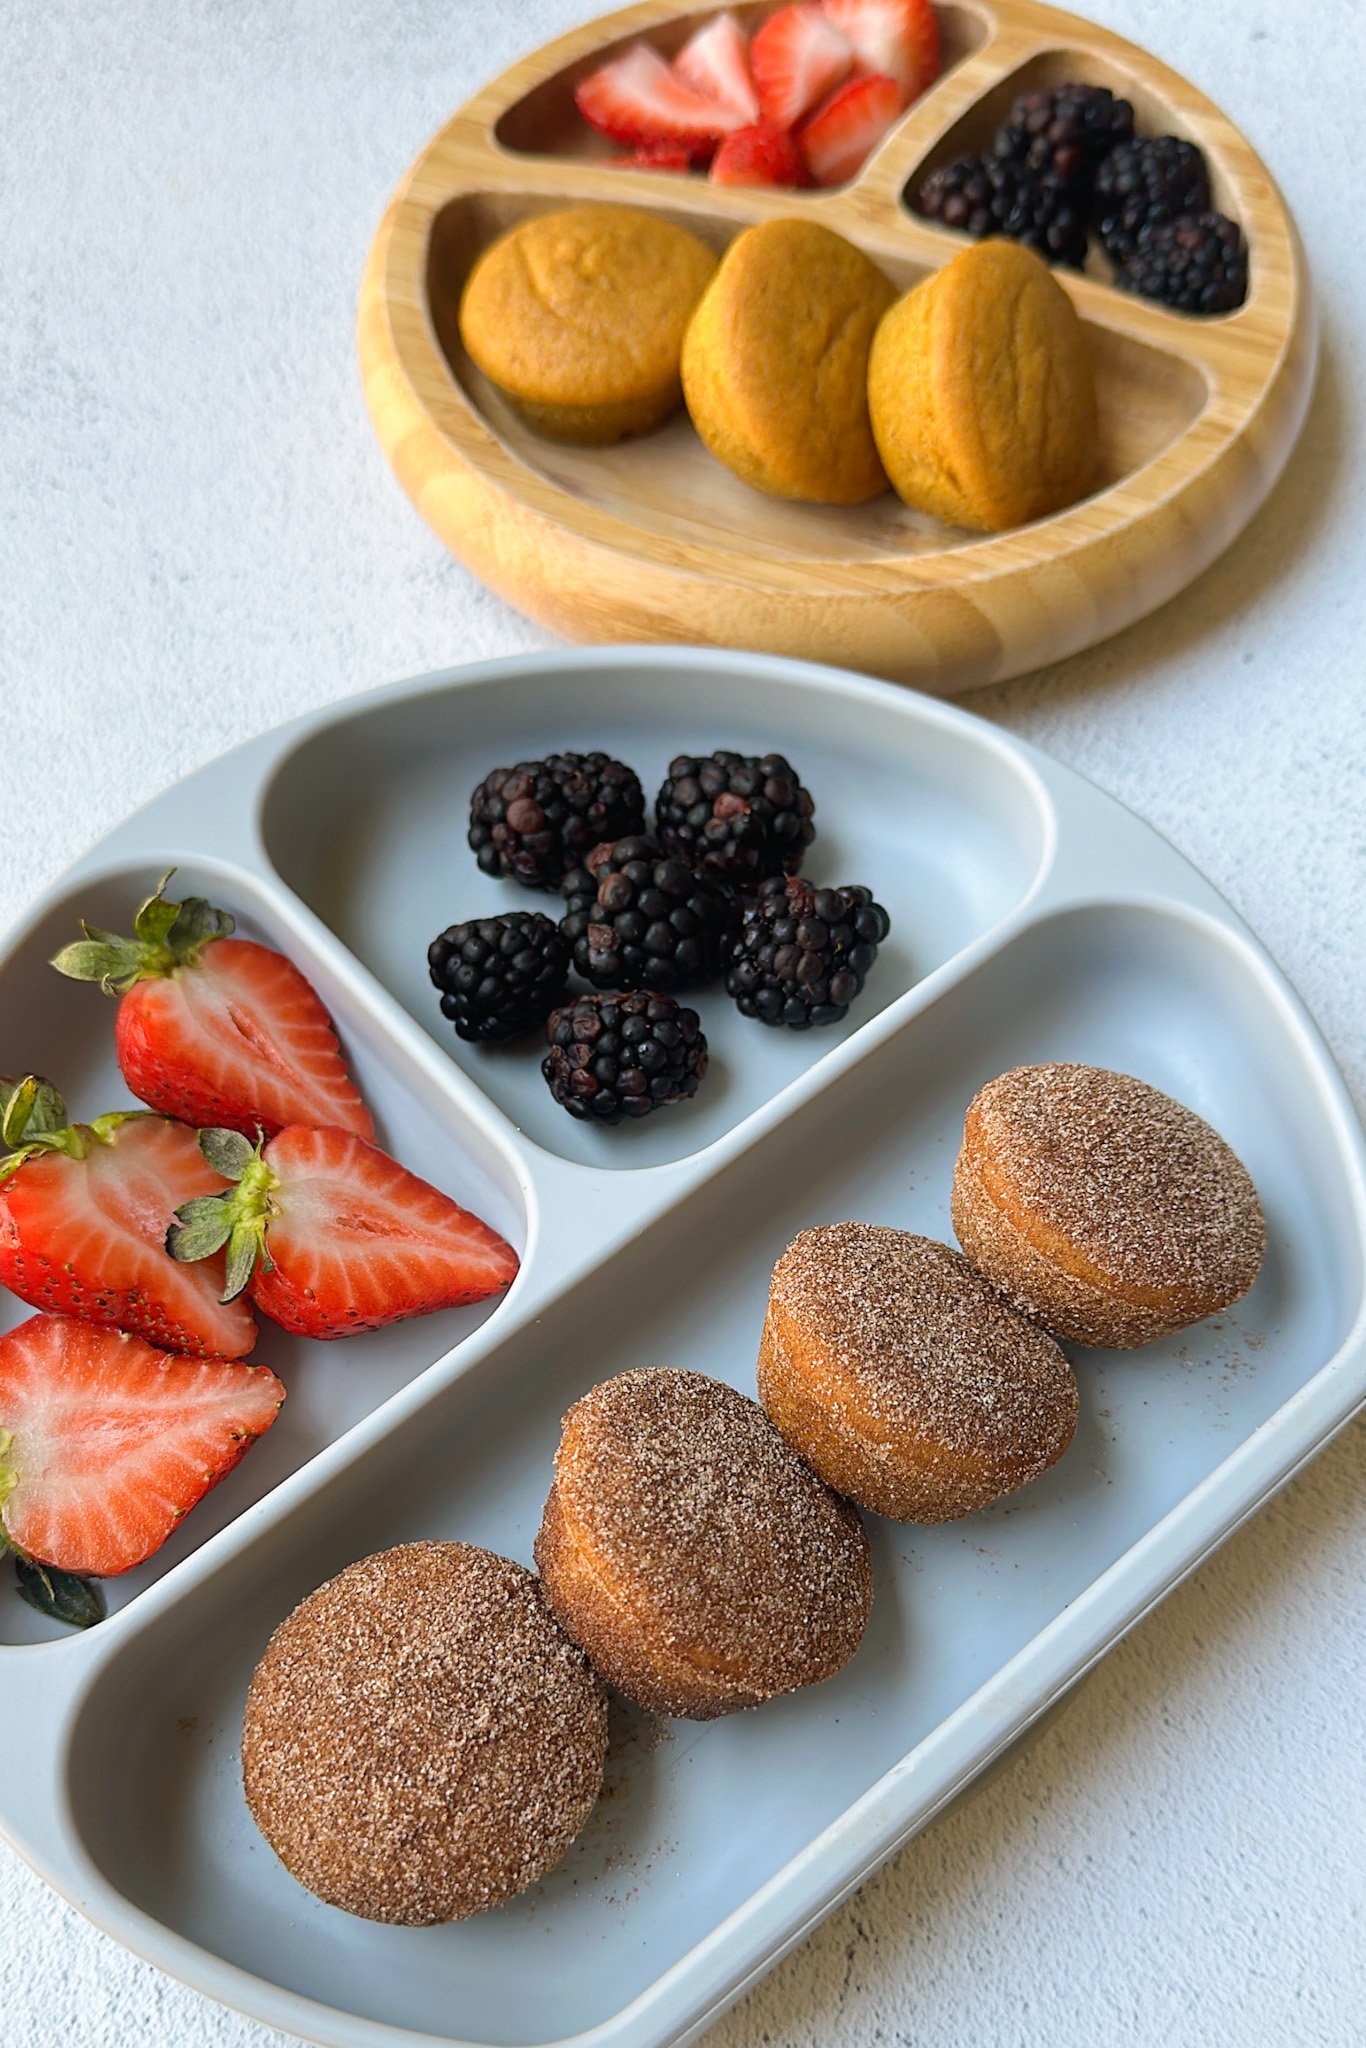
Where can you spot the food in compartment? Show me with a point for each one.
(84, 1211)
(738, 817)
(636, 917)
(106, 1442)
(775, 363)
(623, 1056)
(533, 822)
(331, 1237)
(1109, 1212)
(802, 954)
(578, 316)
(695, 1557)
(214, 1029)
(982, 394)
(499, 977)
(421, 1740)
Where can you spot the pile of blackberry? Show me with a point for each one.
(715, 893)
(1066, 163)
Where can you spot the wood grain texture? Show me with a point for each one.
(652, 540)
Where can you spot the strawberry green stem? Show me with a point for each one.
(237, 1219)
(33, 1120)
(166, 937)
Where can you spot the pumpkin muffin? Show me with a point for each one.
(775, 363)
(981, 392)
(578, 318)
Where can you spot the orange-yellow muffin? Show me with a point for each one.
(1109, 1212)
(687, 1548)
(578, 317)
(775, 363)
(904, 1378)
(981, 394)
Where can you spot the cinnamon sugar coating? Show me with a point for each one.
(906, 1379)
(1106, 1210)
(421, 1740)
(700, 1563)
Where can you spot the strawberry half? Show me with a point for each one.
(106, 1444)
(761, 155)
(84, 1211)
(656, 156)
(894, 38)
(332, 1236)
(638, 98)
(797, 57)
(715, 63)
(217, 1030)
(841, 135)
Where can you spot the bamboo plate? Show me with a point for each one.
(653, 540)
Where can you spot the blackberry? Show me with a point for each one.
(499, 976)
(801, 955)
(534, 822)
(995, 196)
(1197, 264)
(738, 816)
(637, 918)
(624, 1055)
(1063, 133)
(1145, 182)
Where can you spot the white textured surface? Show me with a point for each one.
(198, 538)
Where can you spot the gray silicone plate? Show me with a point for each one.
(1033, 919)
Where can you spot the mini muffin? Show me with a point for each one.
(578, 318)
(904, 1378)
(697, 1560)
(981, 394)
(422, 1741)
(1106, 1210)
(775, 363)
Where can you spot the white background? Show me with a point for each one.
(198, 538)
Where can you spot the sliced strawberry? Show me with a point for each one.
(637, 98)
(106, 1444)
(657, 156)
(334, 1237)
(216, 1030)
(715, 63)
(797, 57)
(84, 1211)
(895, 38)
(761, 155)
(842, 134)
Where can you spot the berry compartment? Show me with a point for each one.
(944, 825)
(66, 1030)
(975, 1624)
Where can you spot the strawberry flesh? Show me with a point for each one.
(892, 38)
(841, 135)
(715, 64)
(797, 57)
(106, 1444)
(637, 98)
(86, 1237)
(761, 155)
(355, 1241)
(240, 1040)
(656, 156)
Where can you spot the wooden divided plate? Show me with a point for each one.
(653, 540)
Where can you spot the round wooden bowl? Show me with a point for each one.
(653, 540)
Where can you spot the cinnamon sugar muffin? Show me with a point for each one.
(1106, 1210)
(421, 1740)
(698, 1561)
(904, 1378)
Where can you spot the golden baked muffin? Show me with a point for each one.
(578, 318)
(981, 393)
(775, 363)
(697, 1560)
(421, 1739)
(1108, 1211)
(904, 1378)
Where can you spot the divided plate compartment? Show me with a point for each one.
(1034, 919)
(654, 540)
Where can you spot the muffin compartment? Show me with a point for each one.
(947, 829)
(546, 122)
(702, 1816)
(66, 1030)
